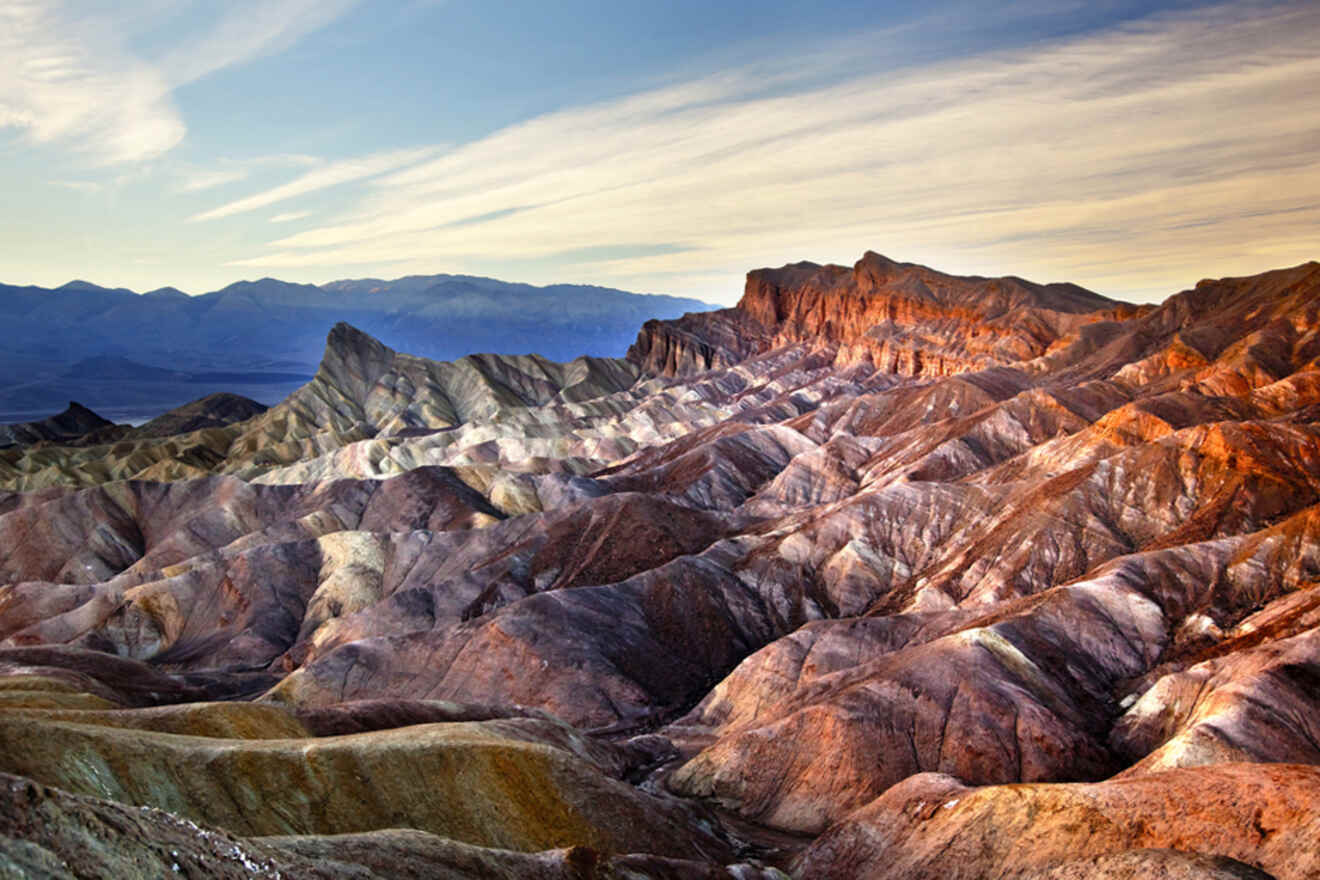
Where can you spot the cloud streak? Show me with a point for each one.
(204, 180)
(247, 30)
(290, 216)
(1122, 160)
(331, 174)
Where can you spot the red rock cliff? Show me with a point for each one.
(901, 317)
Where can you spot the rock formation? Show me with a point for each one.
(1235, 820)
(883, 572)
(212, 411)
(75, 422)
(902, 318)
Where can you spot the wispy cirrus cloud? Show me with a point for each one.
(290, 216)
(66, 78)
(69, 77)
(328, 175)
(249, 29)
(200, 181)
(1128, 159)
(82, 186)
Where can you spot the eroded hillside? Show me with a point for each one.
(882, 573)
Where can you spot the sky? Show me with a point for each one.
(1131, 147)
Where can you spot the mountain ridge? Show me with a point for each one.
(965, 321)
(267, 329)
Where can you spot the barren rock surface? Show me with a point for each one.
(75, 422)
(1258, 815)
(955, 577)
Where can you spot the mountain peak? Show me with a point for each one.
(878, 259)
(354, 360)
(167, 293)
(77, 410)
(79, 285)
(75, 421)
(344, 335)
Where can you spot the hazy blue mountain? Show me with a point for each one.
(271, 333)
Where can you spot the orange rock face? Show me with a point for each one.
(1258, 816)
(901, 318)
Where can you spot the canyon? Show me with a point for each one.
(883, 573)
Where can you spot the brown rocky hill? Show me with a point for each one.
(76, 421)
(882, 573)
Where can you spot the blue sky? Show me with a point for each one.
(1130, 147)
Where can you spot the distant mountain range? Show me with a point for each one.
(114, 349)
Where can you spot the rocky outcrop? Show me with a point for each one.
(415, 855)
(1238, 820)
(913, 321)
(1254, 700)
(484, 784)
(213, 411)
(698, 342)
(75, 422)
(51, 833)
(47, 832)
(1019, 699)
(901, 318)
(361, 391)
